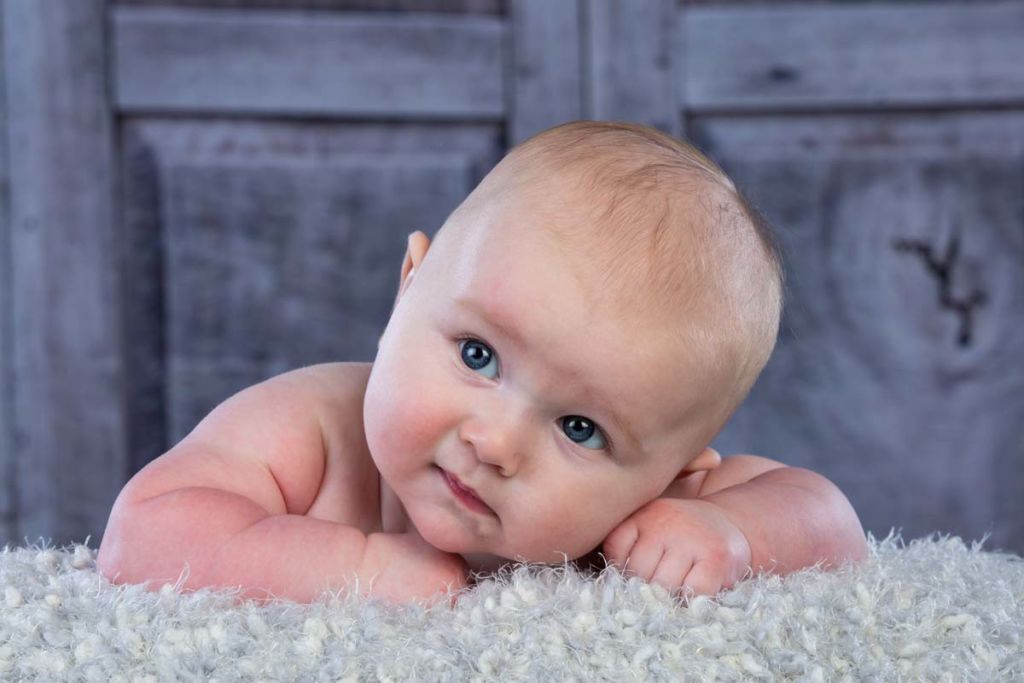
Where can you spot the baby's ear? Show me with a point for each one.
(709, 459)
(415, 250)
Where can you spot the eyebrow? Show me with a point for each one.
(514, 335)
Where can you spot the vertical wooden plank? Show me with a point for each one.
(545, 86)
(7, 488)
(68, 413)
(143, 299)
(629, 62)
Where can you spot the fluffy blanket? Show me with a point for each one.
(932, 610)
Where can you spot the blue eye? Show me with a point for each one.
(477, 355)
(581, 430)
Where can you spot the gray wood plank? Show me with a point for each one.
(467, 6)
(308, 63)
(68, 417)
(275, 266)
(144, 357)
(544, 67)
(631, 62)
(8, 487)
(755, 3)
(155, 149)
(898, 54)
(874, 382)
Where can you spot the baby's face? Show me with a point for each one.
(502, 368)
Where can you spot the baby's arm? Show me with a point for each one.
(229, 501)
(226, 540)
(749, 513)
(792, 517)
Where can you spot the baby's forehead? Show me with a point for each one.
(537, 258)
(633, 366)
(637, 267)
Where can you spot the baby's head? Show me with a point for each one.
(582, 326)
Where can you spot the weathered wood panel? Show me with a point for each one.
(68, 420)
(893, 54)
(310, 216)
(899, 372)
(8, 480)
(466, 6)
(544, 69)
(269, 267)
(631, 63)
(272, 62)
(755, 3)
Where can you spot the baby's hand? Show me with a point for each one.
(680, 543)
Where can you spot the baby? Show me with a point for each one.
(556, 363)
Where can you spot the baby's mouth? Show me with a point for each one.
(465, 494)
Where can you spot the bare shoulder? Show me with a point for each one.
(686, 487)
(267, 442)
(339, 389)
(336, 383)
(736, 469)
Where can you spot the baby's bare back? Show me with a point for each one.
(270, 492)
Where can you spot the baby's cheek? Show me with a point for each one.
(400, 415)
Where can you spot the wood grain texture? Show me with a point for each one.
(263, 246)
(544, 68)
(268, 266)
(8, 472)
(827, 56)
(68, 416)
(308, 63)
(631, 63)
(879, 380)
(457, 6)
(763, 3)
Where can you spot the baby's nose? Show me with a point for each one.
(496, 439)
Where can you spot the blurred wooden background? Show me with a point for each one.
(199, 195)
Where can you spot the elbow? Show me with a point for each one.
(172, 537)
(120, 559)
(113, 556)
(850, 548)
(855, 547)
(843, 535)
(108, 558)
(126, 554)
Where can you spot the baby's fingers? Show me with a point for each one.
(619, 543)
(644, 560)
(705, 578)
(672, 570)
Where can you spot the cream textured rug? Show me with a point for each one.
(932, 610)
